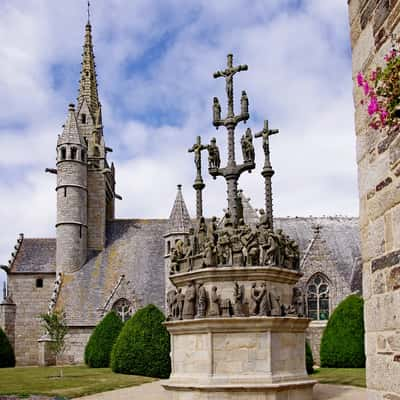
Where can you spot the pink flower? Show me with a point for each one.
(384, 114)
(366, 87)
(373, 106)
(373, 75)
(360, 79)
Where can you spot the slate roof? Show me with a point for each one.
(179, 219)
(35, 256)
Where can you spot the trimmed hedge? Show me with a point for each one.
(143, 346)
(342, 344)
(101, 341)
(7, 357)
(309, 360)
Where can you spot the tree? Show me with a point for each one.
(143, 346)
(56, 327)
(101, 341)
(342, 344)
(7, 357)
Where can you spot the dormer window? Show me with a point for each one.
(73, 153)
(83, 118)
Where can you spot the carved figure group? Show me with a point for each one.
(214, 160)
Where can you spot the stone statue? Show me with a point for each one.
(281, 240)
(264, 222)
(254, 300)
(189, 305)
(216, 110)
(212, 231)
(202, 297)
(251, 250)
(209, 253)
(171, 304)
(188, 251)
(244, 103)
(276, 309)
(290, 310)
(293, 254)
(265, 307)
(201, 233)
(196, 149)
(180, 299)
(224, 251)
(214, 160)
(248, 147)
(215, 303)
(238, 295)
(272, 255)
(298, 302)
(174, 261)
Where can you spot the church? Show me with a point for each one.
(99, 263)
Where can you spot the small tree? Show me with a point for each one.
(56, 326)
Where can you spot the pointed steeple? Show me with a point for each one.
(88, 82)
(70, 134)
(179, 219)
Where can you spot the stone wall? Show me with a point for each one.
(378, 157)
(30, 303)
(314, 335)
(76, 340)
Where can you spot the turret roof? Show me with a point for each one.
(70, 134)
(179, 219)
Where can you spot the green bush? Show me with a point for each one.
(7, 357)
(309, 359)
(143, 347)
(342, 344)
(101, 341)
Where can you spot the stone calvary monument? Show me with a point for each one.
(237, 323)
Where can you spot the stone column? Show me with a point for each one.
(46, 356)
(7, 319)
(267, 173)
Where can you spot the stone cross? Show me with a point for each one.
(267, 171)
(232, 171)
(198, 185)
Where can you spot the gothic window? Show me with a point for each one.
(123, 308)
(318, 297)
(73, 153)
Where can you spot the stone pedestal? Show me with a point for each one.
(46, 356)
(246, 357)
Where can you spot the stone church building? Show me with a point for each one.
(99, 263)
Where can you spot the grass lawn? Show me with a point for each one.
(341, 376)
(77, 381)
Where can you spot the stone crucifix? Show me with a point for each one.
(198, 185)
(232, 171)
(267, 171)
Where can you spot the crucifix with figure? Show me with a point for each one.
(267, 171)
(198, 185)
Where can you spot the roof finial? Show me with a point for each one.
(88, 12)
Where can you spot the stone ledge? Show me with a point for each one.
(216, 274)
(238, 324)
(388, 260)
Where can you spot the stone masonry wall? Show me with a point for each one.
(378, 157)
(30, 303)
(7, 320)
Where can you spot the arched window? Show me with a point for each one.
(83, 155)
(318, 306)
(73, 153)
(123, 308)
(63, 154)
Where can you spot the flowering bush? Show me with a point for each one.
(382, 90)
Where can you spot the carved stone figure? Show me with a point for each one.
(264, 222)
(248, 147)
(216, 110)
(202, 303)
(214, 160)
(215, 303)
(226, 308)
(254, 300)
(201, 233)
(298, 302)
(180, 299)
(188, 251)
(244, 103)
(276, 309)
(281, 240)
(212, 231)
(263, 300)
(174, 261)
(196, 149)
(189, 305)
(209, 253)
(171, 304)
(293, 254)
(251, 250)
(238, 295)
(273, 250)
(290, 310)
(224, 251)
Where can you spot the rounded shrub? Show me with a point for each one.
(143, 347)
(309, 360)
(342, 344)
(101, 341)
(7, 357)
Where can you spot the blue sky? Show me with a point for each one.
(155, 60)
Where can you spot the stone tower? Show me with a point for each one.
(85, 181)
(71, 251)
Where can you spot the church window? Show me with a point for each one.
(83, 155)
(73, 153)
(123, 308)
(63, 155)
(83, 118)
(39, 283)
(318, 297)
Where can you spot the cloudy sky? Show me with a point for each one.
(155, 60)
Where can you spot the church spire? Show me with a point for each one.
(179, 219)
(88, 81)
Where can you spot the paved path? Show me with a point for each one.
(154, 391)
